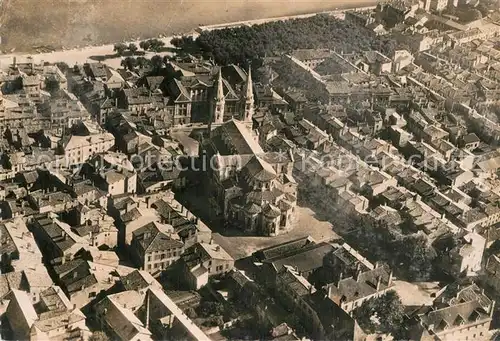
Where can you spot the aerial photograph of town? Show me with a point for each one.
(218, 170)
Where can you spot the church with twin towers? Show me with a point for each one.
(223, 106)
(252, 190)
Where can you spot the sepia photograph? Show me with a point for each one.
(239, 170)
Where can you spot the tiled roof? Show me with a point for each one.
(152, 239)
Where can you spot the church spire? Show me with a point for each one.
(220, 101)
(249, 105)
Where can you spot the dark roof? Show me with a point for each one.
(154, 82)
(135, 281)
(67, 267)
(283, 249)
(84, 230)
(78, 278)
(56, 233)
(305, 259)
(180, 223)
(151, 239)
(8, 245)
(350, 289)
(336, 322)
(471, 138)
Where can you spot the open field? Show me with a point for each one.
(27, 24)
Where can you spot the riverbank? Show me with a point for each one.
(29, 25)
(91, 53)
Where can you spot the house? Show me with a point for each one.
(470, 141)
(322, 317)
(154, 248)
(78, 149)
(304, 260)
(55, 317)
(19, 249)
(187, 226)
(459, 313)
(463, 256)
(115, 314)
(350, 293)
(96, 227)
(203, 260)
(59, 243)
(144, 315)
(312, 57)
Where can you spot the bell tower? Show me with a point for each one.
(220, 102)
(249, 100)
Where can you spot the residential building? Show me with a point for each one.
(203, 260)
(459, 313)
(154, 248)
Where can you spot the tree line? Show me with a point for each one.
(240, 45)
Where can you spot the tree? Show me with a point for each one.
(51, 84)
(156, 44)
(214, 321)
(98, 336)
(191, 313)
(157, 62)
(145, 45)
(211, 308)
(129, 63)
(142, 62)
(239, 44)
(176, 41)
(416, 255)
(383, 314)
(120, 48)
(132, 48)
(471, 15)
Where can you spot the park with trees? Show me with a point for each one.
(241, 45)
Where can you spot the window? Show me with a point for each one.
(162, 256)
(149, 258)
(156, 265)
(149, 266)
(209, 263)
(227, 266)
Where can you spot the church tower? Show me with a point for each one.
(219, 100)
(249, 101)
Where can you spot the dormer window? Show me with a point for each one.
(442, 325)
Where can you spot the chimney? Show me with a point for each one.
(75, 275)
(389, 281)
(311, 287)
(329, 291)
(379, 281)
